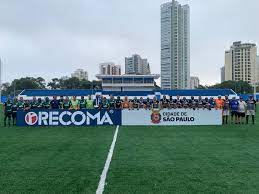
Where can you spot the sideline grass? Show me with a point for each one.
(179, 159)
(52, 159)
(200, 159)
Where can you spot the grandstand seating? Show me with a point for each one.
(204, 93)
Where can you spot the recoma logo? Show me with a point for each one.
(31, 118)
(66, 118)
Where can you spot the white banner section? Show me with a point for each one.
(172, 117)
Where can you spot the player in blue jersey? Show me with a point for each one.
(234, 104)
(212, 103)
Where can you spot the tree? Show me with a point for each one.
(71, 83)
(41, 82)
(21, 84)
(241, 87)
(202, 87)
(5, 88)
(54, 84)
(96, 84)
(74, 83)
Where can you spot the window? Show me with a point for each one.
(148, 80)
(117, 80)
(128, 80)
(107, 80)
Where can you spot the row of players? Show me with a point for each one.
(237, 108)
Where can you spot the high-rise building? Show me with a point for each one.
(222, 74)
(136, 65)
(109, 69)
(195, 82)
(240, 62)
(175, 46)
(80, 74)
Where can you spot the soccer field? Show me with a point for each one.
(204, 159)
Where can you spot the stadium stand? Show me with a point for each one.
(184, 93)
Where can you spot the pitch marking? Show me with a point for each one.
(101, 184)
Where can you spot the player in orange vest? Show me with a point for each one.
(219, 103)
(125, 103)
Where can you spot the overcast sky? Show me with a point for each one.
(51, 38)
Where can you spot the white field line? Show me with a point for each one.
(101, 184)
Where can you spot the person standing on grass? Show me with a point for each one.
(164, 102)
(219, 103)
(112, 102)
(27, 105)
(155, 104)
(54, 103)
(34, 103)
(46, 103)
(105, 103)
(200, 103)
(207, 104)
(40, 103)
(14, 110)
(90, 103)
(61, 101)
(118, 103)
(141, 103)
(234, 104)
(192, 104)
(20, 104)
(226, 110)
(8, 111)
(251, 108)
(126, 103)
(212, 102)
(97, 101)
(241, 111)
(74, 103)
(135, 103)
(178, 102)
(82, 103)
(66, 104)
(148, 103)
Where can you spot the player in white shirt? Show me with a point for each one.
(242, 111)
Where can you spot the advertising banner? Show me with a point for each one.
(172, 117)
(68, 118)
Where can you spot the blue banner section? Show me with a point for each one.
(68, 118)
(3, 98)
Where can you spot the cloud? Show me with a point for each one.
(52, 38)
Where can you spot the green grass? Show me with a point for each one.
(200, 159)
(204, 159)
(52, 160)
